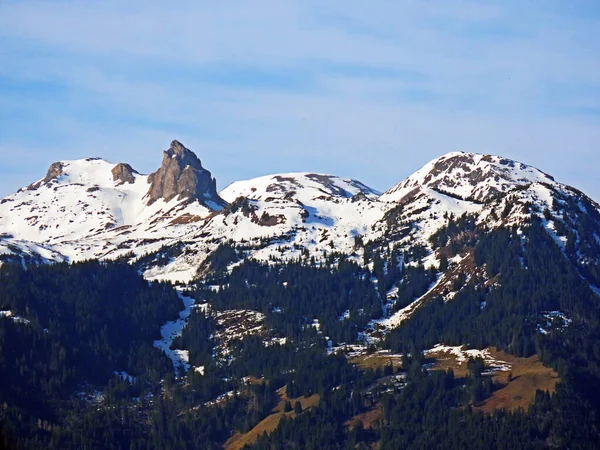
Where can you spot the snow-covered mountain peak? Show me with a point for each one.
(92, 208)
(88, 171)
(76, 198)
(470, 176)
(302, 186)
(281, 217)
(172, 220)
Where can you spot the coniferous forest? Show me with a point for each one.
(79, 369)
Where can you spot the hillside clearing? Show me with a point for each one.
(271, 422)
(520, 377)
(377, 360)
(369, 419)
(528, 375)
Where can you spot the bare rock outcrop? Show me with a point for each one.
(181, 175)
(123, 173)
(54, 171)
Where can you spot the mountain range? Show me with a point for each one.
(170, 221)
(458, 309)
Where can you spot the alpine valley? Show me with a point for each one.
(459, 309)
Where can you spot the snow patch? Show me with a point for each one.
(15, 318)
(553, 320)
(399, 316)
(462, 355)
(173, 329)
(125, 376)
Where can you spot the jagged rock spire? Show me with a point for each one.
(181, 175)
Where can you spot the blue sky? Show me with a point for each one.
(369, 90)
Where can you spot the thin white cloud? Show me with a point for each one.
(478, 77)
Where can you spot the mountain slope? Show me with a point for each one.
(470, 176)
(172, 220)
(91, 208)
(498, 191)
(281, 217)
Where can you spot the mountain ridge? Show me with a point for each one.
(90, 208)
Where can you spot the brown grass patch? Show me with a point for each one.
(267, 425)
(445, 361)
(255, 381)
(305, 402)
(528, 375)
(184, 219)
(377, 361)
(369, 419)
(271, 422)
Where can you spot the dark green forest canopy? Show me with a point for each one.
(83, 322)
(533, 278)
(88, 320)
(293, 295)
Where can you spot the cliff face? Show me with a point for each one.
(181, 175)
(123, 173)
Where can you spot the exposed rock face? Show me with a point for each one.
(54, 171)
(182, 175)
(123, 173)
(471, 176)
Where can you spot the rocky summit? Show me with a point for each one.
(181, 175)
(54, 171)
(173, 220)
(123, 173)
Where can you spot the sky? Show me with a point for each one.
(368, 90)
